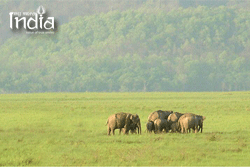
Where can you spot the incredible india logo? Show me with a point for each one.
(33, 22)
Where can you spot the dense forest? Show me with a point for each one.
(140, 45)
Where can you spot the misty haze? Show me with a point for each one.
(124, 46)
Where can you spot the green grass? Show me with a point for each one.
(69, 129)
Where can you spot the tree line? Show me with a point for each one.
(196, 48)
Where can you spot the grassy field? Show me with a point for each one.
(69, 129)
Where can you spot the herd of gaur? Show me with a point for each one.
(158, 122)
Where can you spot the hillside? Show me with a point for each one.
(197, 48)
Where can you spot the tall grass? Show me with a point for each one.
(69, 129)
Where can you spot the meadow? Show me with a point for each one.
(69, 129)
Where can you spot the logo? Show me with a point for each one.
(33, 22)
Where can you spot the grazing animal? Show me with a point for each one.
(160, 125)
(150, 126)
(132, 129)
(174, 127)
(159, 114)
(190, 121)
(155, 115)
(123, 120)
(174, 117)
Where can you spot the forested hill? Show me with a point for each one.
(145, 49)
